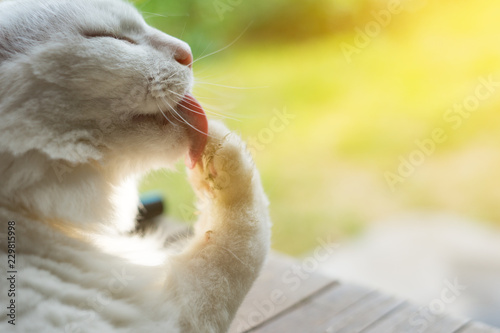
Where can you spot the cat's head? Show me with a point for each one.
(89, 80)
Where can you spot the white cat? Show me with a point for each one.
(90, 99)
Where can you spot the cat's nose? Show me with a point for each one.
(168, 44)
(184, 56)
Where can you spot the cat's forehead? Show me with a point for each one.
(73, 14)
(115, 12)
(25, 24)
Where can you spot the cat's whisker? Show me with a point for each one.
(231, 87)
(187, 122)
(149, 14)
(178, 83)
(193, 111)
(216, 114)
(183, 30)
(219, 98)
(187, 102)
(168, 106)
(202, 72)
(225, 47)
(174, 112)
(164, 115)
(174, 73)
(142, 5)
(208, 111)
(204, 50)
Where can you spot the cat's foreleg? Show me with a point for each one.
(231, 237)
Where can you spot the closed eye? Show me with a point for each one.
(109, 35)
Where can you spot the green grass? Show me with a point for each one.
(324, 172)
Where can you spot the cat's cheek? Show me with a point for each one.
(91, 72)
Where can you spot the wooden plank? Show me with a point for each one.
(475, 327)
(363, 314)
(399, 321)
(407, 321)
(287, 298)
(313, 314)
(447, 324)
(282, 284)
(397, 316)
(417, 322)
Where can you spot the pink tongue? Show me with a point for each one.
(193, 113)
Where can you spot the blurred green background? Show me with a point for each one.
(355, 110)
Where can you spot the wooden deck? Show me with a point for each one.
(286, 299)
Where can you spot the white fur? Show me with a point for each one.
(79, 124)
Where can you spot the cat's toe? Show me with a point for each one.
(226, 168)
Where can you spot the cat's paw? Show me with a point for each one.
(226, 169)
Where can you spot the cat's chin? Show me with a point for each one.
(155, 118)
(189, 114)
